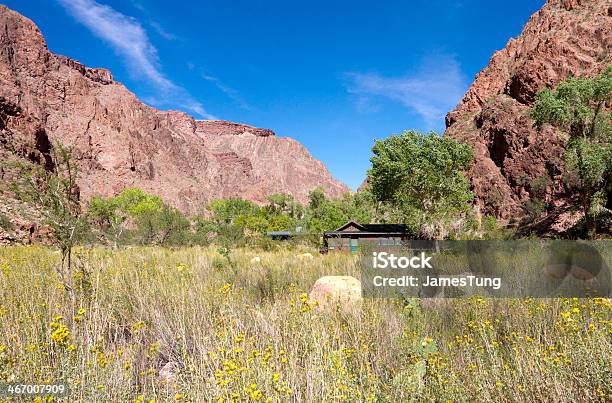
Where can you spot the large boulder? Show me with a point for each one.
(330, 291)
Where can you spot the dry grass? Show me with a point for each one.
(249, 332)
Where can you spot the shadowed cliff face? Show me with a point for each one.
(121, 142)
(566, 37)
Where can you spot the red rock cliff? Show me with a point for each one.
(566, 37)
(121, 142)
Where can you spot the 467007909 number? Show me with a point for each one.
(14, 389)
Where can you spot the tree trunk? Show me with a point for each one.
(589, 220)
(591, 226)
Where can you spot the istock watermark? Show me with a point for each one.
(383, 260)
(504, 269)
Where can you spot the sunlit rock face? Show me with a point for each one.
(121, 142)
(566, 37)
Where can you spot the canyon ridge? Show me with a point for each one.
(118, 141)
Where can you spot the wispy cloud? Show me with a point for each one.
(130, 40)
(161, 31)
(432, 90)
(230, 92)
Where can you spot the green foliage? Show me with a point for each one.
(419, 176)
(316, 198)
(239, 221)
(132, 203)
(489, 223)
(5, 223)
(578, 106)
(539, 186)
(225, 211)
(328, 214)
(203, 231)
(228, 222)
(279, 222)
(495, 199)
(166, 226)
(156, 222)
(55, 194)
(533, 209)
(281, 203)
(491, 229)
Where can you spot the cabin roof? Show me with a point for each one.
(386, 228)
(353, 227)
(374, 227)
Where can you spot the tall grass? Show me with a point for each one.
(236, 331)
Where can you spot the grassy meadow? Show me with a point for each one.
(233, 330)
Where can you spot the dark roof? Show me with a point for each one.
(351, 224)
(362, 234)
(385, 227)
(371, 229)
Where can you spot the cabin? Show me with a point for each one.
(348, 237)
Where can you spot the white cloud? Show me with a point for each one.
(431, 91)
(161, 31)
(129, 39)
(230, 92)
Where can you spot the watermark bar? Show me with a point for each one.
(29, 389)
(502, 269)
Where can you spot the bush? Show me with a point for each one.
(6, 223)
(491, 230)
(533, 209)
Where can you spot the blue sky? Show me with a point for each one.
(335, 75)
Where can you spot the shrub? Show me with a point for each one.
(6, 223)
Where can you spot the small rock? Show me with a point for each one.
(305, 256)
(169, 372)
(331, 290)
(255, 260)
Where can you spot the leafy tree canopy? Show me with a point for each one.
(580, 107)
(419, 176)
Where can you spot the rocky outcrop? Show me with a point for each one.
(120, 142)
(22, 140)
(363, 186)
(224, 128)
(566, 37)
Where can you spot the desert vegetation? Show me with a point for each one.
(579, 109)
(131, 300)
(193, 324)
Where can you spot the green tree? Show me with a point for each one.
(231, 217)
(55, 194)
(165, 226)
(112, 213)
(419, 176)
(256, 223)
(316, 198)
(225, 211)
(280, 222)
(285, 204)
(156, 222)
(577, 106)
(204, 230)
(328, 214)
